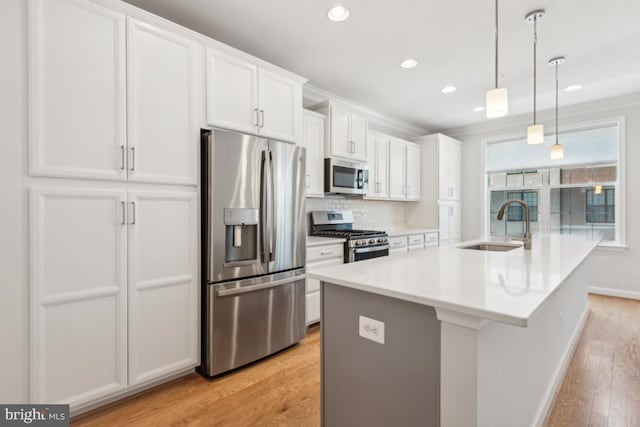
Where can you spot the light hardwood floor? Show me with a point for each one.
(601, 388)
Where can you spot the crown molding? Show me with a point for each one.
(315, 95)
(608, 105)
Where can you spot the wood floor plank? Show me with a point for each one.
(601, 386)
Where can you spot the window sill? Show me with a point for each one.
(612, 247)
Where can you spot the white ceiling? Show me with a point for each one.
(453, 41)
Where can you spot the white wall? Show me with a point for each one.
(615, 272)
(14, 358)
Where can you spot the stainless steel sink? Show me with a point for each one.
(492, 246)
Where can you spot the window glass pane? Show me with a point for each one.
(515, 180)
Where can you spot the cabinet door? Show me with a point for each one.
(340, 133)
(314, 143)
(162, 93)
(413, 172)
(396, 170)
(78, 295)
(232, 93)
(455, 170)
(280, 106)
(163, 284)
(382, 167)
(77, 90)
(444, 212)
(372, 143)
(444, 186)
(359, 127)
(455, 222)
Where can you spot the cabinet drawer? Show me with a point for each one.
(430, 238)
(313, 285)
(416, 239)
(397, 242)
(312, 306)
(321, 253)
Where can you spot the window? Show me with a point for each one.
(576, 195)
(601, 206)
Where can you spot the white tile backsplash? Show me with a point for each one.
(366, 213)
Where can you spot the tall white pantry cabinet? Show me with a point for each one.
(114, 112)
(441, 188)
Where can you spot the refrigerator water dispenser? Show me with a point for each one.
(241, 236)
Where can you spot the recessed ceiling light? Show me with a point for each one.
(338, 13)
(478, 109)
(408, 63)
(572, 88)
(448, 89)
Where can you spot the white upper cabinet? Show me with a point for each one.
(77, 96)
(232, 92)
(413, 172)
(340, 133)
(404, 170)
(346, 131)
(245, 97)
(313, 141)
(397, 170)
(163, 95)
(378, 159)
(78, 277)
(280, 106)
(449, 168)
(163, 284)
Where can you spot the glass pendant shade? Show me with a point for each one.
(497, 103)
(557, 152)
(535, 134)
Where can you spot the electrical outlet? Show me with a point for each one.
(371, 329)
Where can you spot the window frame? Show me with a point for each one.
(620, 184)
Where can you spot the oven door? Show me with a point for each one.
(360, 254)
(346, 177)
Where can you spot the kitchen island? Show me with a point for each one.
(451, 336)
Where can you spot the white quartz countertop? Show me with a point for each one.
(402, 231)
(323, 241)
(507, 287)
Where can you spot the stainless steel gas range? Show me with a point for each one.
(360, 244)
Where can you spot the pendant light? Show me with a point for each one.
(557, 150)
(535, 132)
(497, 100)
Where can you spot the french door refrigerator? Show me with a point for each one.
(254, 227)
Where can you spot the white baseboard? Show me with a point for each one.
(547, 403)
(614, 292)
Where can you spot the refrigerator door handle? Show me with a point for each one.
(261, 286)
(272, 212)
(264, 209)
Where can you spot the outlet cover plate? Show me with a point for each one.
(371, 329)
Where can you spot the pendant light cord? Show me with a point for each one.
(556, 103)
(535, 43)
(496, 44)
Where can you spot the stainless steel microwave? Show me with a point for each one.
(346, 177)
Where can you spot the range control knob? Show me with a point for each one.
(381, 240)
(372, 241)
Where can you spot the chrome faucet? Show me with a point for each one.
(527, 232)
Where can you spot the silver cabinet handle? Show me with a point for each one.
(257, 124)
(122, 157)
(123, 213)
(450, 210)
(133, 213)
(133, 158)
(308, 180)
(261, 118)
(450, 191)
(326, 253)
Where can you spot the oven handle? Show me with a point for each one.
(261, 286)
(370, 249)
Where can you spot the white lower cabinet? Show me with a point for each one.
(397, 244)
(94, 331)
(450, 222)
(416, 242)
(163, 285)
(318, 257)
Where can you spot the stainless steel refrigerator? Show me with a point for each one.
(254, 228)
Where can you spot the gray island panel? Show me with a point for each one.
(365, 383)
